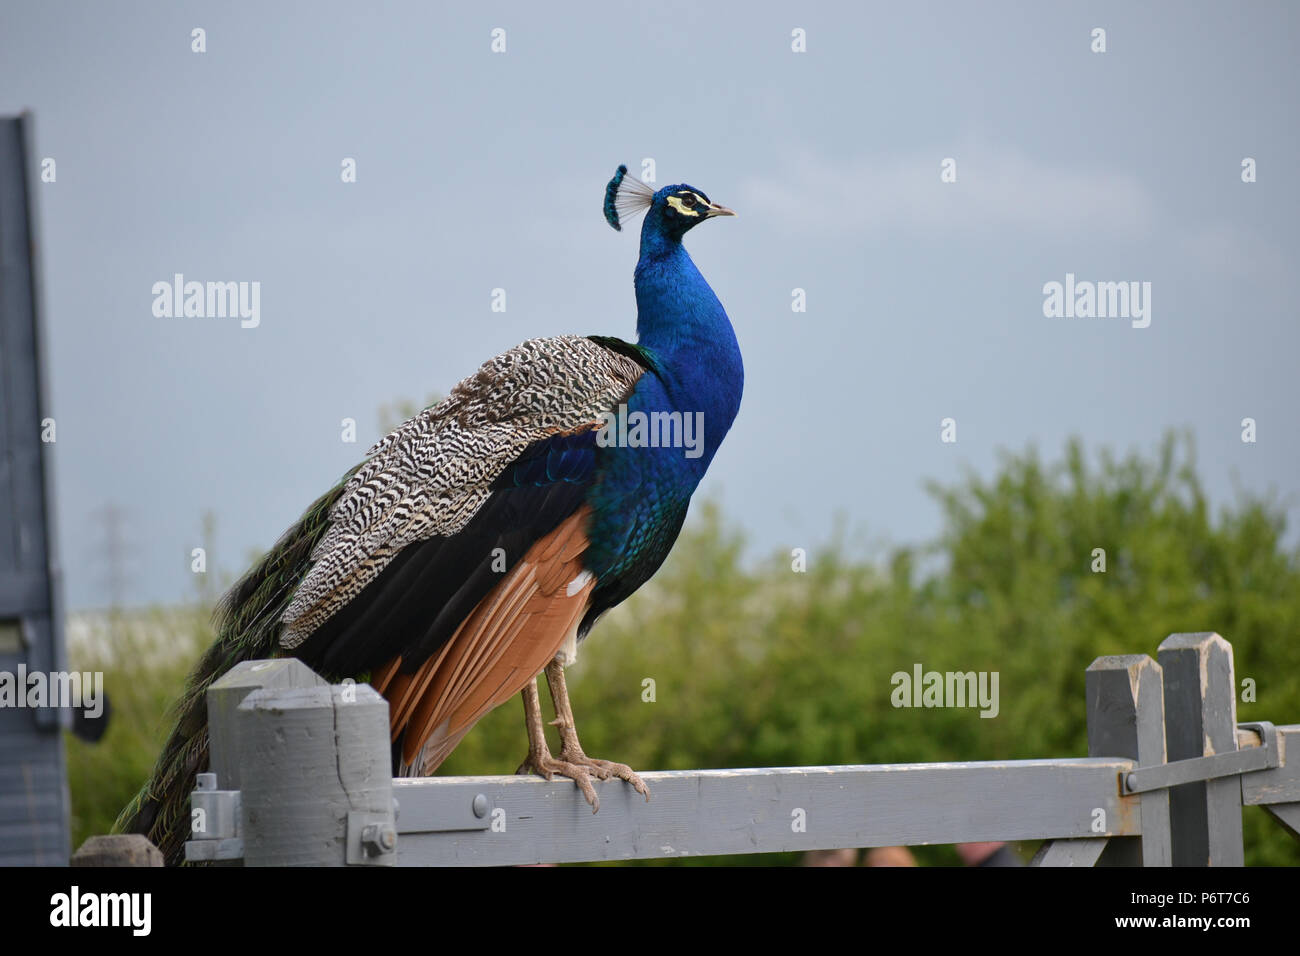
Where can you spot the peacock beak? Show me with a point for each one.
(716, 210)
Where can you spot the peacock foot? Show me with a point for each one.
(580, 768)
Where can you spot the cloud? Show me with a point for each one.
(1229, 250)
(996, 187)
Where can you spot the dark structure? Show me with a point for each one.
(33, 778)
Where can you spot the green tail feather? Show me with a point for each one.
(248, 625)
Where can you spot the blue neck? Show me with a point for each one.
(675, 306)
(682, 323)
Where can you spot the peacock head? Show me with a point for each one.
(673, 210)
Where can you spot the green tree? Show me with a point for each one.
(758, 664)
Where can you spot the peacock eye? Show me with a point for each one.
(688, 201)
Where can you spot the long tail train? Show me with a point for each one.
(247, 623)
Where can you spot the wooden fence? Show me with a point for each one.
(300, 774)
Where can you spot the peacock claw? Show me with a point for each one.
(572, 762)
(580, 768)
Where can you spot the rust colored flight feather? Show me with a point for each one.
(508, 639)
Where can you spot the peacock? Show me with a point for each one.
(478, 543)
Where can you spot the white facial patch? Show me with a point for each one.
(681, 206)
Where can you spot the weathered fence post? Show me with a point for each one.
(118, 849)
(228, 692)
(316, 784)
(304, 767)
(1126, 718)
(1201, 720)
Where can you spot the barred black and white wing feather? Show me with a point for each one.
(427, 480)
(437, 567)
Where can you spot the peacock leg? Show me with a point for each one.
(570, 749)
(539, 759)
(572, 762)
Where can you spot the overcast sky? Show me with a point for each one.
(478, 170)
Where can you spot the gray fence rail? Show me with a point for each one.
(301, 775)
